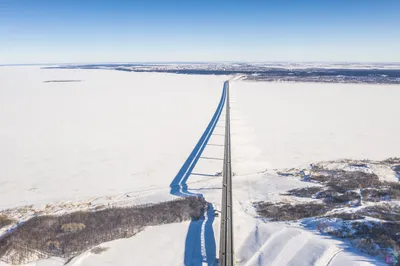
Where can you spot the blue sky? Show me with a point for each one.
(79, 31)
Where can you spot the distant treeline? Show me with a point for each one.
(262, 73)
(62, 80)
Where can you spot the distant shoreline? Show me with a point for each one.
(66, 80)
(353, 73)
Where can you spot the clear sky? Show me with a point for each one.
(79, 31)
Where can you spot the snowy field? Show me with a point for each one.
(113, 132)
(292, 124)
(118, 134)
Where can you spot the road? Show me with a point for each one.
(226, 237)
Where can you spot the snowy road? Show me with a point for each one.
(226, 257)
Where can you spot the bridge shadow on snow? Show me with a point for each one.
(203, 174)
(182, 191)
(178, 184)
(200, 242)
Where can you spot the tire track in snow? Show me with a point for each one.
(291, 248)
(280, 247)
(203, 237)
(254, 260)
(328, 256)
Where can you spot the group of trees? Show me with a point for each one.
(71, 234)
(338, 189)
(4, 221)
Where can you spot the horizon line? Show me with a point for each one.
(200, 62)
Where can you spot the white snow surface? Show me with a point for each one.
(123, 133)
(284, 125)
(114, 132)
(280, 125)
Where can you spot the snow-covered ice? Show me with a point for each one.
(112, 133)
(280, 125)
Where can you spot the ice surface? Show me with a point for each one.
(114, 132)
(279, 125)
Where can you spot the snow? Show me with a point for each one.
(120, 138)
(279, 125)
(166, 250)
(283, 125)
(112, 133)
(115, 138)
(137, 253)
(276, 243)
